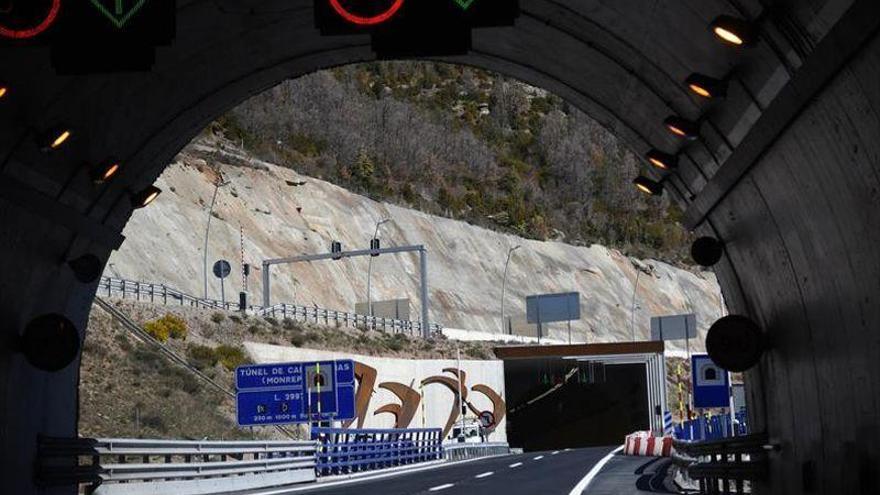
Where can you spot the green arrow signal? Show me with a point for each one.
(121, 17)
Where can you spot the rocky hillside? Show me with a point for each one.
(283, 213)
(462, 143)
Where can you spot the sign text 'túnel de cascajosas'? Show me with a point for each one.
(295, 392)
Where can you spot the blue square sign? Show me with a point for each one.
(711, 383)
(284, 393)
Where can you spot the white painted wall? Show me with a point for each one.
(438, 399)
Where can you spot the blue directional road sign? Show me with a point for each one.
(711, 383)
(286, 393)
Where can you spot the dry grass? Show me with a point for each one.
(127, 389)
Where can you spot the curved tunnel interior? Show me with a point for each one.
(785, 171)
(552, 409)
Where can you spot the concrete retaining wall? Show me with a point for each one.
(438, 399)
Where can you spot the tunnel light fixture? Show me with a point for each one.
(661, 160)
(54, 138)
(87, 268)
(50, 342)
(145, 197)
(4, 90)
(735, 343)
(706, 86)
(684, 128)
(104, 171)
(707, 251)
(733, 30)
(648, 186)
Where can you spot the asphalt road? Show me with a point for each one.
(535, 473)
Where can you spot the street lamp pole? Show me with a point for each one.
(370, 267)
(504, 284)
(220, 183)
(632, 323)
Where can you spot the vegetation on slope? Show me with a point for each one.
(129, 389)
(464, 143)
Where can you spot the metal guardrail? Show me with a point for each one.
(462, 451)
(157, 293)
(140, 467)
(726, 466)
(162, 294)
(345, 451)
(329, 316)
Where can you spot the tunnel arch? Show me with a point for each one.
(787, 220)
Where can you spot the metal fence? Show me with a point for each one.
(724, 467)
(340, 318)
(712, 428)
(157, 293)
(138, 467)
(462, 451)
(162, 294)
(345, 451)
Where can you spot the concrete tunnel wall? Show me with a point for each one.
(800, 225)
(802, 231)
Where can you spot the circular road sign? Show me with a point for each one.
(487, 419)
(222, 269)
(366, 13)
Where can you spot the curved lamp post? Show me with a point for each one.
(220, 183)
(504, 283)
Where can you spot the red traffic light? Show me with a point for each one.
(26, 19)
(366, 13)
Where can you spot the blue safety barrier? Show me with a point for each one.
(712, 428)
(343, 451)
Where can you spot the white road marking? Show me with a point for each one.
(584, 483)
(555, 452)
(516, 464)
(355, 478)
(539, 458)
(484, 475)
(441, 487)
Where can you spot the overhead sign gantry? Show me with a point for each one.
(336, 253)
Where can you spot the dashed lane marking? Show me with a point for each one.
(539, 458)
(441, 487)
(516, 464)
(484, 475)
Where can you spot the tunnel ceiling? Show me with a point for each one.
(623, 62)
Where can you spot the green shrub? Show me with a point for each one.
(235, 318)
(397, 342)
(298, 339)
(168, 326)
(217, 317)
(201, 356)
(144, 357)
(271, 320)
(288, 324)
(157, 330)
(153, 421)
(230, 357)
(254, 329)
(313, 337)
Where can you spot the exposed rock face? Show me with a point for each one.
(283, 214)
